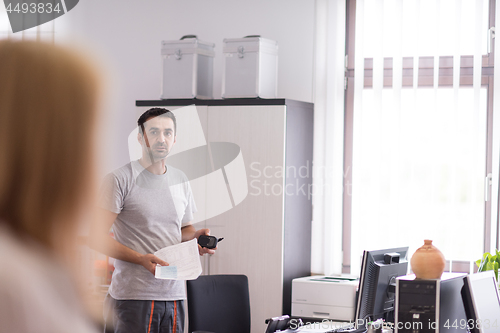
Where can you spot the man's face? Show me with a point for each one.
(159, 137)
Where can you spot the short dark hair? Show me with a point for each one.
(155, 112)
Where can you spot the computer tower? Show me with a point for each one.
(430, 306)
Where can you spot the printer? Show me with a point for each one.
(325, 297)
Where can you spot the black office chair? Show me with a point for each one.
(219, 304)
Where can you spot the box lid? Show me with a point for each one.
(250, 44)
(185, 46)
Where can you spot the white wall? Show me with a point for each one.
(128, 34)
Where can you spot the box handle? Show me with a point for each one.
(189, 36)
(252, 36)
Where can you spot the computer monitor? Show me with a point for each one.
(377, 285)
(481, 302)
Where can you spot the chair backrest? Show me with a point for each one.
(219, 304)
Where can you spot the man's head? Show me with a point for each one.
(157, 131)
(155, 112)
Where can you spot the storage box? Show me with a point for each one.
(250, 68)
(187, 69)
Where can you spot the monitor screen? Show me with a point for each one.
(481, 302)
(377, 284)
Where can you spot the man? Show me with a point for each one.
(150, 206)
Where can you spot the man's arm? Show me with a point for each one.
(189, 232)
(101, 241)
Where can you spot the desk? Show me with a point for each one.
(321, 327)
(327, 326)
(307, 325)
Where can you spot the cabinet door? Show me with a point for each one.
(259, 131)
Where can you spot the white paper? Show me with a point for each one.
(183, 259)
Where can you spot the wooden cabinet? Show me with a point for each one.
(267, 234)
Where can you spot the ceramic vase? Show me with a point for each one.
(427, 262)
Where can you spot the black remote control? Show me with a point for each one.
(210, 242)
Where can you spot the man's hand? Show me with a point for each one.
(149, 261)
(203, 250)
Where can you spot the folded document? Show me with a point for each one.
(183, 259)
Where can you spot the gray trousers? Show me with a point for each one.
(137, 316)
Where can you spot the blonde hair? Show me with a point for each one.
(48, 102)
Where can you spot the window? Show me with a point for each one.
(44, 32)
(418, 140)
(4, 22)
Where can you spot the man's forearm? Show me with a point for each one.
(188, 233)
(101, 241)
(119, 251)
(115, 249)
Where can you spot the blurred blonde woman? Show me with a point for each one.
(48, 101)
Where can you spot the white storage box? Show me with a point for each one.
(250, 68)
(187, 69)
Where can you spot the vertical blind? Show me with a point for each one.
(330, 38)
(44, 32)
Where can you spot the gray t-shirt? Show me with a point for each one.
(151, 211)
